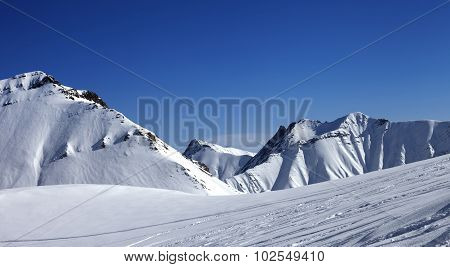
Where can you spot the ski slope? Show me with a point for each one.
(402, 206)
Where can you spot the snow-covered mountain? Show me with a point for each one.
(222, 162)
(309, 152)
(53, 134)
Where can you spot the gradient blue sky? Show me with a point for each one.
(241, 49)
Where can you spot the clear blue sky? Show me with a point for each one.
(240, 49)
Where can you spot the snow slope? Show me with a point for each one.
(310, 152)
(53, 134)
(222, 162)
(402, 206)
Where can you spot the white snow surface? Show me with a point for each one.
(222, 162)
(402, 206)
(53, 134)
(310, 152)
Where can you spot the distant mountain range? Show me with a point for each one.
(309, 152)
(53, 134)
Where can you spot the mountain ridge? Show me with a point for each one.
(310, 151)
(71, 136)
(60, 135)
(222, 162)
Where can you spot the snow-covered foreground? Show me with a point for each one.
(402, 206)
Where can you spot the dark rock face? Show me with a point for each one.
(193, 147)
(45, 80)
(202, 166)
(382, 121)
(270, 147)
(88, 95)
(94, 97)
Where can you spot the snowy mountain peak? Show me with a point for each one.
(309, 152)
(356, 116)
(72, 137)
(221, 162)
(10, 89)
(306, 132)
(356, 119)
(196, 145)
(26, 81)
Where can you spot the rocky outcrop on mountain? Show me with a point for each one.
(222, 162)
